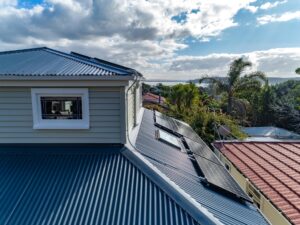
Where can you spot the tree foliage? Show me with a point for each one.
(235, 82)
(202, 112)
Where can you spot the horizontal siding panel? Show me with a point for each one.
(28, 112)
(28, 100)
(66, 134)
(16, 118)
(28, 129)
(97, 94)
(59, 140)
(105, 118)
(27, 94)
(15, 100)
(104, 100)
(104, 106)
(21, 124)
(11, 106)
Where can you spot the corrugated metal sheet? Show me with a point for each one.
(80, 185)
(49, 62)
(273, 167)
(180, 169)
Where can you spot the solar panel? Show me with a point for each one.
(202, 150)
(214, 172)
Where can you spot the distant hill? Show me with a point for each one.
(272, 80)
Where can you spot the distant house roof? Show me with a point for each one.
(181, 168)
(153, 98)
(271, 132)
(273, 167)
(46, 62)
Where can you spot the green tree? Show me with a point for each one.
(183, 98)
(201, 111)
(235, 82)
(297, 70)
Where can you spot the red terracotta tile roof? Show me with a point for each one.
(150, 97)
(273, 167)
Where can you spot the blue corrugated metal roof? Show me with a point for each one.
(80, 185)
(48, 62)
(179, 168)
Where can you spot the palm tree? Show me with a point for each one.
(297, 70)
(235, 82)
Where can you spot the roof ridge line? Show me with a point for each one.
(190, 205)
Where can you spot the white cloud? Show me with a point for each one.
(269, 5)
(138, 33)
(252, 8)
(287, 16)
(280, 62)
(131, 19)
(8, 2)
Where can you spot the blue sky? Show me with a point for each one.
(164, 39)
(249, 36)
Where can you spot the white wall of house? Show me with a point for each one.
(107, 120)
(134, 104)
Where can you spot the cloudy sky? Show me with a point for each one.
(163, 39)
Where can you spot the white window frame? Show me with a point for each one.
(40, 123)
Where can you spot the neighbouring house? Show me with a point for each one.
(269, 172)
(76, 147)
(270, 133)
(150, 98)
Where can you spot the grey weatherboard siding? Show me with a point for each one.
(16, 119)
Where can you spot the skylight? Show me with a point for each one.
(168, 138)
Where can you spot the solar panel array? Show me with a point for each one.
(214, 172)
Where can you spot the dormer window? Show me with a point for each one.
(61, 108)
(55, 108)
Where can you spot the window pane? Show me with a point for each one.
(61, 108)
(169, 138)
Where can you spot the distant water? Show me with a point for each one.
(173, 82)
(272, 81)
